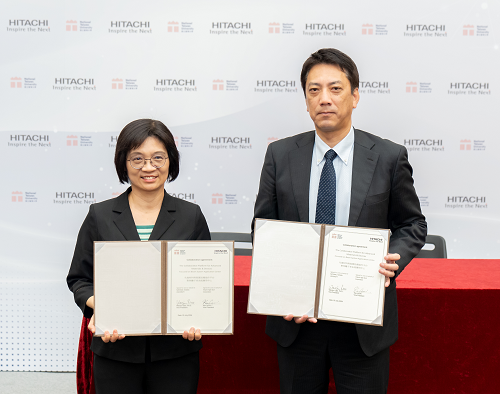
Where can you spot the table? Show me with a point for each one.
(448, 334)
(449, 338)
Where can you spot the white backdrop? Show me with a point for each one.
(224, 77)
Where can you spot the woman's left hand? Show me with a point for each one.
(192, 334)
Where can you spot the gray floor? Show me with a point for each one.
(38, 382)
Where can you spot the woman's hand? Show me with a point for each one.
(192, 334)
(90, 302)
(107, 337)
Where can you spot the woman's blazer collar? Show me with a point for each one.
(125, 222)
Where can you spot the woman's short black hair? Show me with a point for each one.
(134, 134)
(334, 57)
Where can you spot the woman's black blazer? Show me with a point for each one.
(112, 220)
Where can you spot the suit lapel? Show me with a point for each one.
(300, 172)
(364, 163)
(165, 218)
(124, 221)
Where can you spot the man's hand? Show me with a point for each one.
(299, 320)
(389, 269)
(107, 337)
(192, 334)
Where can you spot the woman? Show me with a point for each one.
(146, 157)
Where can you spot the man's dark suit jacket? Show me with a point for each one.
(382, 196)
(112, 220)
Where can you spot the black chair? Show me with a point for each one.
(434, 248)
(236, 237)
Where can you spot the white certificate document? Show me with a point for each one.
(163, 287)
(284, 268)
(200, 287)
(324, 271)
(127, 287)
(352, 289)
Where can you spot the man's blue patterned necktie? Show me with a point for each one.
(327, 191)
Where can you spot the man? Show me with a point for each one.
(340, 175)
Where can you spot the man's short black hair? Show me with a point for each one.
(335, 57)
(134, 134)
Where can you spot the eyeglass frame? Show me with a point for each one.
(150, 161)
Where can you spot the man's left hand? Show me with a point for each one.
(390, 267)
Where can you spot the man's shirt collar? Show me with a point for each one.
(343, 148)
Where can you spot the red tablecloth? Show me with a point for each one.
(448, 335)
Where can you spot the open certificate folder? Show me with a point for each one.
(328, 272)
(163, 287)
